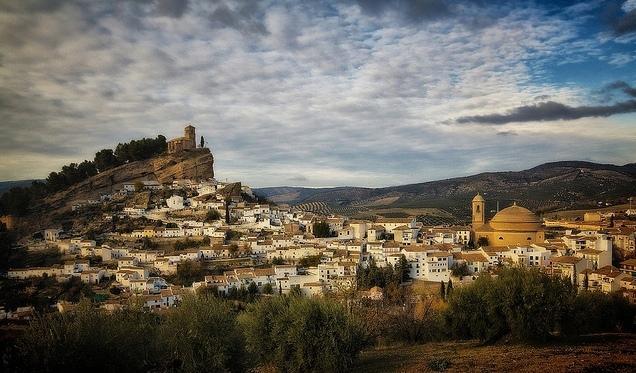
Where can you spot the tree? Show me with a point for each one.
(105, 159)
(310, 261)
(202, 145)
(482, 241)
(212, 215)
(322, 230)
(252, 288)
(189, 271)
(460, 270)
(209, 338)
(139, 186)
(402, 269)
(267, 289)
(294, 334)
(586, 281)
(449, 288)
(442, 290)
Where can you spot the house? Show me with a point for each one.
(52, 235)
(568, 267)
(175, 202)
(390, 224)
(606, 279)
(629, 267)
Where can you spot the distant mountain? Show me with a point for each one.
(6, 185)
(548, 187)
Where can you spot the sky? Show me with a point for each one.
(321, 93)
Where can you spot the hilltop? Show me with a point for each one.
(163, 168)
(547, 187)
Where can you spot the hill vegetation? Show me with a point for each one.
(17, 200)
(548, 187)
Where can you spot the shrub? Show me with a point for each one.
(89, 340)
(594, 312)
(525, 303)
(302, 335)
(202, 335)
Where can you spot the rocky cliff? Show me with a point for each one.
(190, 164)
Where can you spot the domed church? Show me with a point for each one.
(514, 225)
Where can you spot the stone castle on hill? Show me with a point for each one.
(187, 142)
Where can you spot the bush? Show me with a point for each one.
(89, 340)
(321, 229)
(531, 306)
(594, 312)
(302, 335)
(202, 335)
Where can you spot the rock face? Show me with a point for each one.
(190, 164)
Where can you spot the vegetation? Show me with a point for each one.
(532, 306)
(17, 200)
(204, 333)
(372, 275)
(309, 261)
(188, 271)
(186, 244)
(302, 335)
(322, 230)
(213, 215)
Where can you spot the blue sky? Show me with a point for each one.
(321, 93)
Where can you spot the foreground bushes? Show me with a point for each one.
(202, 335)
(301, 335)
(532, 306)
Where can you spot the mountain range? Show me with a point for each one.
(547, 187)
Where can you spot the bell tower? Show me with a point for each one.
(479, 213)
(190, 136)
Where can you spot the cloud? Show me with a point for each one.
(414, 10)
(550, 110)
(620, 15)
(333, 91)
(172, 8)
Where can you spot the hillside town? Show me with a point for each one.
(151, 232)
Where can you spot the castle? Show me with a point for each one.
(513, 225)
(188, 141)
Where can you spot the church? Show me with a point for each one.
(188, 141)
(514, 225)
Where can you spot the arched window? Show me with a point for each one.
(477, 209)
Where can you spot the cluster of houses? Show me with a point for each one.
(277, 240)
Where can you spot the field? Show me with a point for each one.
(598, 353)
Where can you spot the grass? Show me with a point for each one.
(597, 353)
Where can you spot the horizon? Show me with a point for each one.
(379, 187)
(335, 93)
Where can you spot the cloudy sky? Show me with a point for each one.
(321, 93)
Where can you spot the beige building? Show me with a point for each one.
(514, 225)
(188, 141)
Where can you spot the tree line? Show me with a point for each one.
(17, 200)
(205, 333)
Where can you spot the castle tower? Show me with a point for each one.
(479, 213)
(190, 136)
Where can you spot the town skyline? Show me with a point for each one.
(359, 93)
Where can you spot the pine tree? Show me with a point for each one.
(442, 290)
(202, 142)
(449, 288)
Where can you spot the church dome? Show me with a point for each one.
(515, 218)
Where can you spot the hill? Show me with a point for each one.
(6, 185)
(547, 187)
(164, 168)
